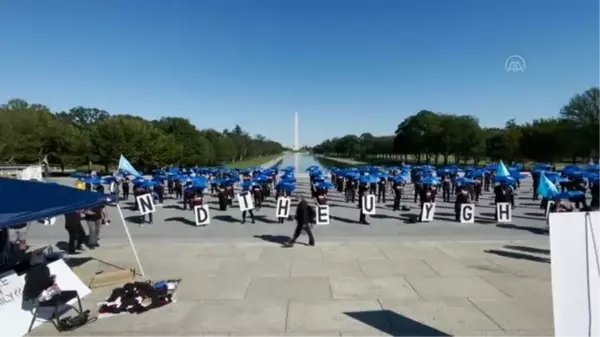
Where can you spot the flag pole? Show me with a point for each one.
(131, 241)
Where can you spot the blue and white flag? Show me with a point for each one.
(546, 188)
(501, 170)
(126, 166)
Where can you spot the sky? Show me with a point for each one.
(346, 66)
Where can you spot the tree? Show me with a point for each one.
(427, 135)
(583, 111)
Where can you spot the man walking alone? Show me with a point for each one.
(304, 215)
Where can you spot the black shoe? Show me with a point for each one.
(312, 244)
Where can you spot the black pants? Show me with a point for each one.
(298, 231)
(381, 194)
(126, 194)
(150, 218)
(416, 194)
(76, 237)
(244, 215)
(396, 201)
(161, 197)
(362, 218)
(446, 194)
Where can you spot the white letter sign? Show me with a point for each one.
(368, 204)
(503, 212)
(427, 211)
(202, 215)
(145, 203)
(245, 201)
(322, 215)
(575, 247)
(467, 213)
(282, 210)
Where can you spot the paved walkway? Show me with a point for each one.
(336, 288)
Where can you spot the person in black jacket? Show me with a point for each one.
(77, 235)
(125, 187)
(446, 184)
(462, 197)
(595, 191)
(502, 193)
(398, 187)
(381, 189)
(362, 191)
(160, 192)
(304, 215)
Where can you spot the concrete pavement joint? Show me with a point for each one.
(485, 314)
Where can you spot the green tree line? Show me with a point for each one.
(82, 136)
(442, 138)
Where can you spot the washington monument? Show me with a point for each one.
(296, 135)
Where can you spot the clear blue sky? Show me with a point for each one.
(346, 66)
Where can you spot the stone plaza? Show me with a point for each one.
(386, 278)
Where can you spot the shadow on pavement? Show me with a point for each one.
(394, 324)
(519, 256)
(337, 218)
(278, 239)
(529, 249)
(226, 218)
(182, 220)
(534, 230)
(263, 218)
(384, 216)
(173, 207)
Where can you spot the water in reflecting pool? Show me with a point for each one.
(303, 161)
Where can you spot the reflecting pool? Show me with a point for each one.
(302, 161)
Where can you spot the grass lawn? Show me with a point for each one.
(238, 164)
(253, 162)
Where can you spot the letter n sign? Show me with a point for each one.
(145, 203)
(467, 213)
(503, 212)
(368, 204)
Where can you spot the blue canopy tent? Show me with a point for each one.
(17, 206)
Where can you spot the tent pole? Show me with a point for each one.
(131, 241)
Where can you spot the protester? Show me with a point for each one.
(362, 192)
(304, 216)
(462, 197)
(446, 188)
(75, 230)
(93, 217)
(398, 187)
(381, 190)
(126, 189)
